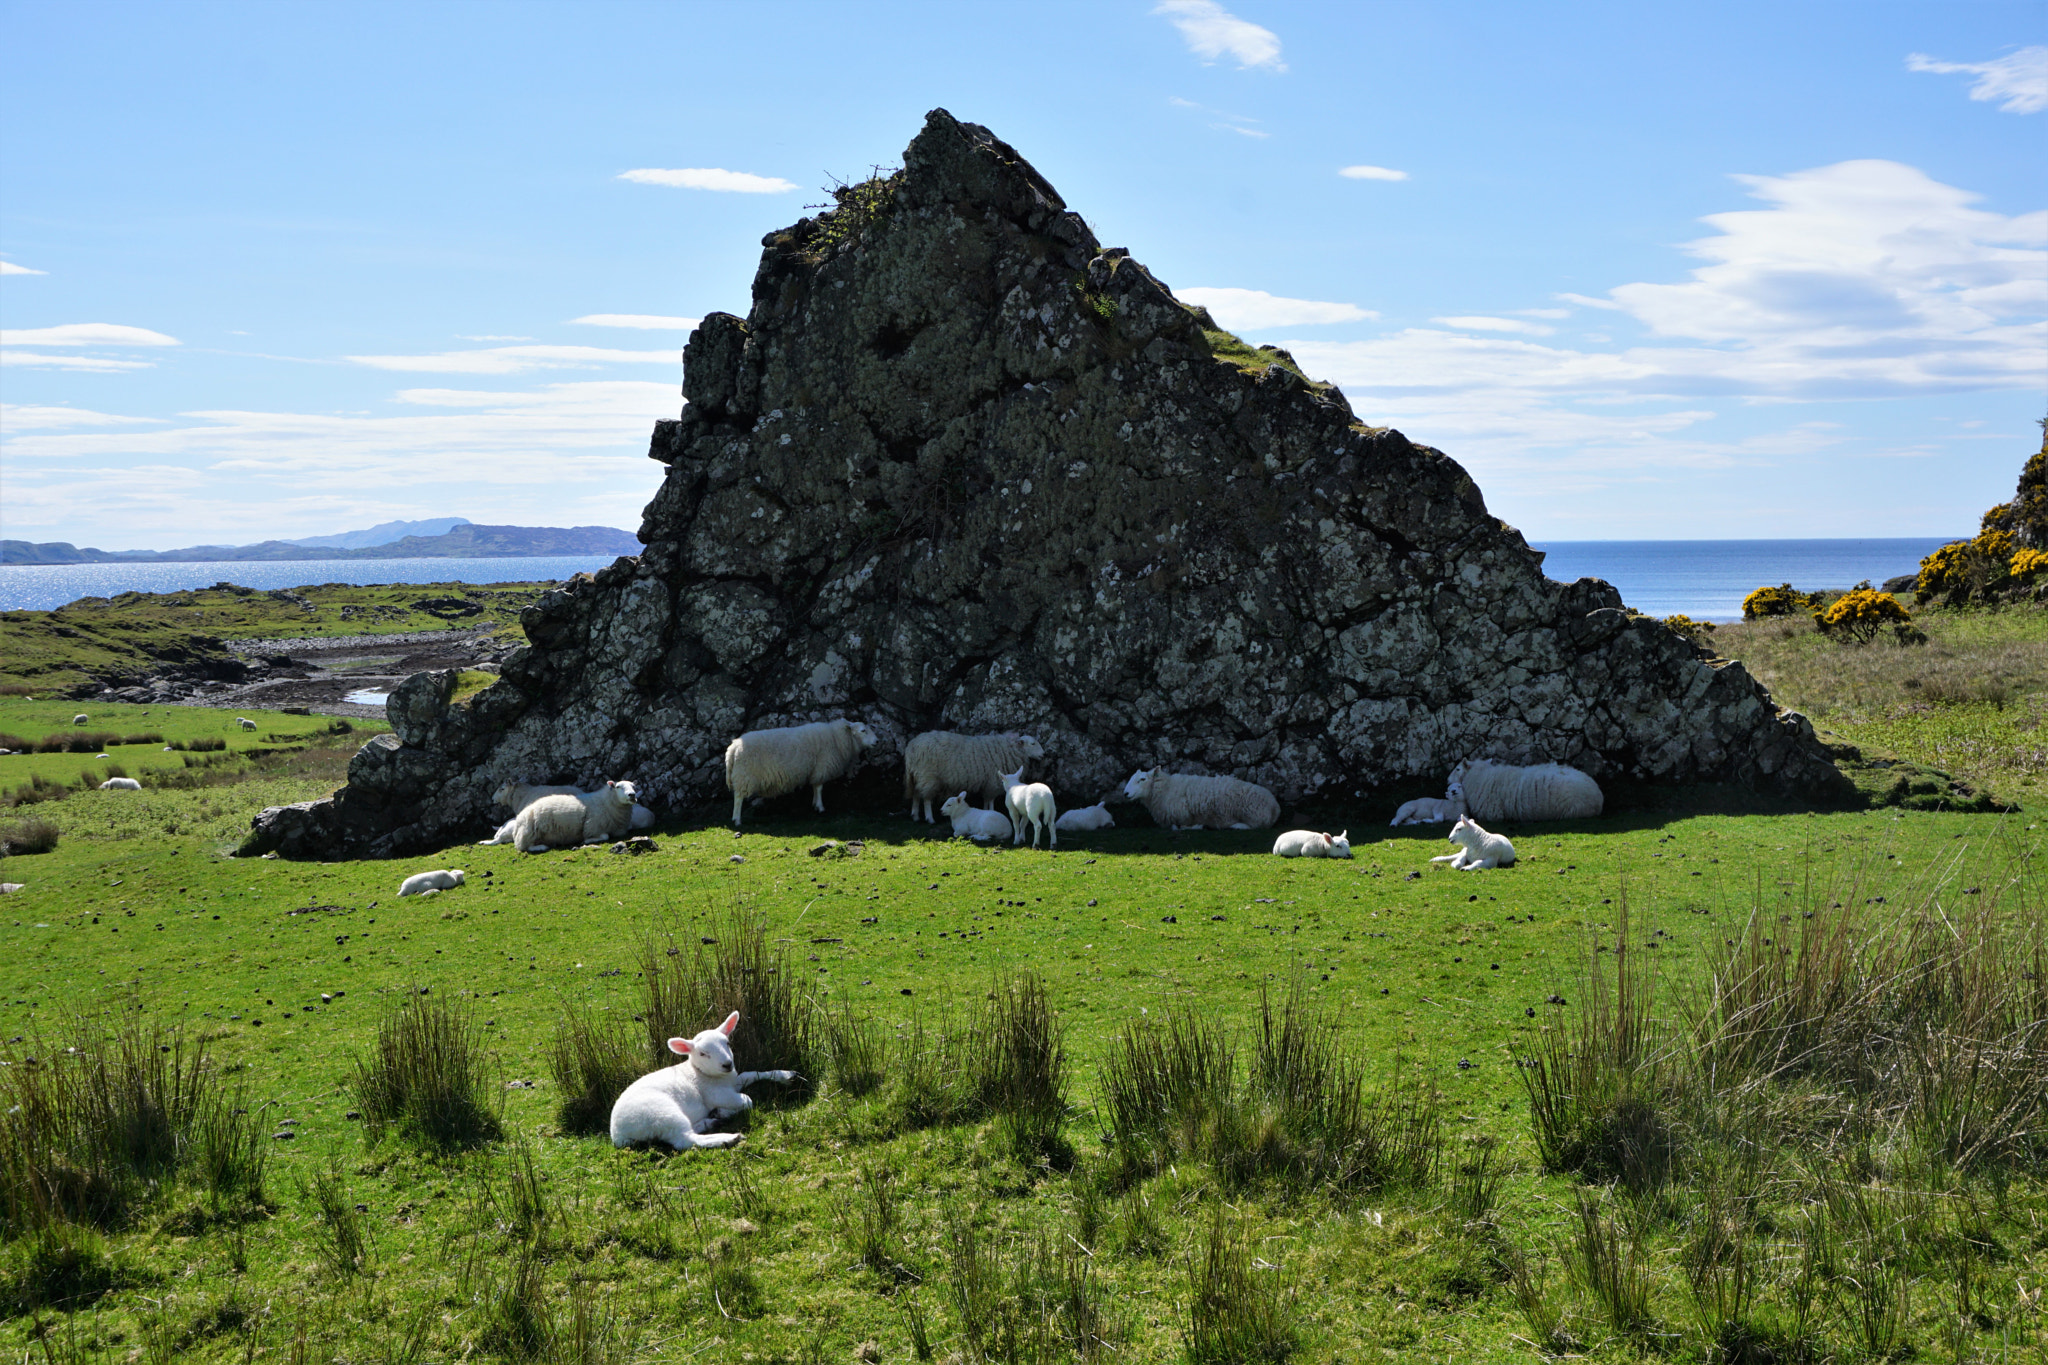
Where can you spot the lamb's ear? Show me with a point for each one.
(1345, 835)
(732, 1022)
(680, 1046)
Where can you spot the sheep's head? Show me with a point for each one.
(1032, 748)
(1015, 779)
(1340, 844)
(503, 795)
(862, 733)
(622, 792)
(710, 1052)
(1140, 783)
(954, 805)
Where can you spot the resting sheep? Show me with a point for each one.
(566, 821)
(969, 823)
(1030, 803)
(440, 879)
(517, 796)
(940, 761)
(1547, 791)
(1478, 850)
(1429, 810)
(1307, 843)
(1096, 816)
(1185, 801)
(677, 1103)
(764, 763)
(120, 784)
(245, 722)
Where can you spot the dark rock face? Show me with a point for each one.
(961, 467)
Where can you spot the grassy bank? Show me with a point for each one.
(132, 635)
(1970, 701)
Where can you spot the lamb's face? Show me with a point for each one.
(955, 805)
(1340, 845)
(711, 1053)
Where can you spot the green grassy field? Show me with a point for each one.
(1802, 1122)
(134, 634)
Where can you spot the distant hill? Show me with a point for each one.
(466, 540)
(383, 533)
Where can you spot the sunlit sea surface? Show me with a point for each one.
(39, 587)
(1704, 579)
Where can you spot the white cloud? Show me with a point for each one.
(1211, 31)
(711, 178)
(2019, 78)
(10, 268)
(1372, 173)
(1587, 301)
(515, 360)
(1543, 312)
(90, 364)
(28, 417)
(85, 334)
(1252, 309)
(1488, 324)
(489, 336)
(645, 321)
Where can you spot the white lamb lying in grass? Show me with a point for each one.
(1096, 816)
(120, 784)
(1030, 804)
(566, 821)
(1477, 849)
(1547, 791)
(440, 879)
(677, 1103)
(969, 823)
(1186, 801)
(517, 796)
(1307, 843)
(1430, 810)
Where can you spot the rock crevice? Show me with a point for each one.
(961, 467)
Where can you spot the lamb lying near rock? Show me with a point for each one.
(566, 821)
(517, 796)
(1429, 810)
(1307, 843)
(677, 1103)
(440, 879)
(1477, 849)
(969, 823)
(1080, 818)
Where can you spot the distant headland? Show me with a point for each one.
(437, 538)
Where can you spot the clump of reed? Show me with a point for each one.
(592, 1057)
(30, 834)
(426, 1078)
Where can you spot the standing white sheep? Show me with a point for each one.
(79, 719)
(969, 823)
(677, 1103)
(939, 761)
(1547, 791)
(440, 879)
(1478, 849)
(120, 784)
(764, 763)
(566, 821)
(1185, 801)
(245, 722)
(1307, 843)
(1030, 803)
(1082, 818)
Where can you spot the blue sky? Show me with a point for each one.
(1647, 271)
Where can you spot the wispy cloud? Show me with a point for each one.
(1588, 301)
(30, 417)
(1212, 32)
(2019, 78)
(1372, 173)
(10, 268)
(711, 178)
(490, 336)
(1224, 121)
(85, 334)
(649, 322)
(90, 364)
(1491, 324)
(1252, 309)
(514, 360)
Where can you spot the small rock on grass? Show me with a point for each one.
(636, 845)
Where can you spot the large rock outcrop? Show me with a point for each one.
(962, 467)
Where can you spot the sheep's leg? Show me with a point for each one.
(1451, 858)
(818, 797)
(1052, 831)
(737, 802)
(747, 1078)
(1240, 825)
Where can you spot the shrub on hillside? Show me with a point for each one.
(31, 834)
(1967, 568)
(1862, 613)
(1695, 631)
(1783, 600)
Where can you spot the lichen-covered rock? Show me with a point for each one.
(962, 468)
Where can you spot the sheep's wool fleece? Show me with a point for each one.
(962, 467)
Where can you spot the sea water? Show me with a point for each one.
(39, 587)
(1703, 579)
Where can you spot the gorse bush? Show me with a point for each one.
(1861, 614)
(1696, 631)
(1783, 600)
(426, 1080)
